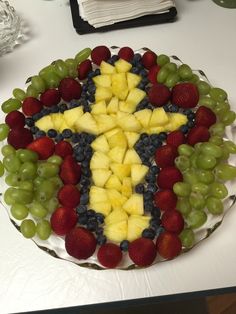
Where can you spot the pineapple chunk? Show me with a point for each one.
(71, 115)
(57, 119)
(117, 153)
(175, 121)
(122, 66)
(119, 85)
(116, 232)
(101, 207)
(45, 123)
(97, 195)
(132, 138)
(134, 205)
(99, 161)
(120, 170)
(64, 126)
(113, 183)
(100, 176)
(115, 216)
(156, 129)
(104, 122)
(136, 225)
(103, 80)
(127, 106)
(159, 117)
(117, 139)
(103, 93)
(99, 107)
(133, 80)
(126, 189)
(138, 173)
(131, 157)
(135, 96)
(113, 105)
(129, 123)
(86, 123)
(116, 198)
(144, 117)
(111, 132)
(107, 68)
(100, 144)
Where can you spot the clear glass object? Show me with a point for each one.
(10, 25)
(231, 4)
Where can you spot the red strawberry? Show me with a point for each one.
(70, 89)
(168, 245)
(175, 138)
(149, 59)
(126, 53)
(31, 106)
(152, 74)
(63, 220)
(172, 221)
(15, 119)
(109, 255)
(84, 68)
(19, 137)
(63, 148)
(142, 252)
(198, 134)
(168, 177)
(165, 200)
(44, 146)
(165, 156)
(69, 196)
(185, 95)
(159, 95)
(70, 171)
(205, 117)
(99, 54)
(80, 243)
(50, 97)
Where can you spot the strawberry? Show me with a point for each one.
(80, 243)
(175, 138)
(19, 137)
(168, 245)
(126, 53)
(142, 252)
(70, 171)
(165, 156)
(15, 119)
(99, 54)
(69, 196)
(165, 200)
(168, 176)
(152, 74)
(31, 106)
(172, 221)
(70, 89)
(109, 255)
(205, 116)
(50, 97)
(185, 95)
(149, 59)
(84, 68)
(159, 95)
(63, 220)
(198, 134)
(43, 146)
(63, 148)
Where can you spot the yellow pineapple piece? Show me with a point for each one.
(134, 205)
(103, 80)
(100, 176)
(133, 80)
(132, 138)
(113, 183)
(116, 154)
(156, 129)
(57, 119)
(105, 122)
(71, 115)
(117, 139)
(99, 160)
(175, 121)
(116, 198)
(126, 189)
(144, 116)
(115, 216)
(138, 173)
(107, 68)
(129, 123)
(116, 232)
(111, 132)
(64, 126)
(159, 118)
(86, 123)
(100, 144)
(136, 225)
(99, 108)
(120, 170)
(131, 157)
(101, 207)
(45, 123)
(122, 66)
(113, 105)
(135, 96)
(103, 93)
(119, 85)
(97, 195)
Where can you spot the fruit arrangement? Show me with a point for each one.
(118, 157)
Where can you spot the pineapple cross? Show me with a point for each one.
(115, 165)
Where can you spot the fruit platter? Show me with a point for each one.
(117, 158)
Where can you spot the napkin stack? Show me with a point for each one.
(99, 13)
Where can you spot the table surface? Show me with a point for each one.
(203, 37)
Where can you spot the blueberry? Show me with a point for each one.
(174, 108)
(141, 85)
(91, 74)
(55, 109)
(152, 187)
(148, 206)
(147, 163)
(34, 129)
(83, 219)
(52, 133)
(124, 245)
(79, 157)
(74, 138)
(100, 218)
(84, 198)
(150, 177)
(58, 138)
(143, 136)
(39, 134)
(91, 225)
(184, 128)
(159, 230)
(99, 230)
(87, 172)
(156, 213)
(135, 70)
(29, 122)
(137, 57)
(166, 108)
(85, 87)
(143, 73)
(91, 212)
(148, 233)
(37, 116)
(91, 98)
(152, 150)
(91, 88)
(148, 196)
(84, 181)
(110, 61)
(154, 225)
(146, 141)
(157, 142)
(67, 133)
(81, 209)
(62, 108)
(190, 124)
(115, 58)
(191, 116)
(101, 239)
(187, 111)
(139, 188)
(45, 112)
(154, 170)
(162, 136)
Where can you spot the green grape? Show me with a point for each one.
(196, 219)
(207, 102)
(20, 196)
(230, 147)
(56, 181)
(48, 169)
(217, 129)
(19, 94)
(72, 67)
(217, 140)
(7, 150)
(7, 197)
(46, 70)
(38, 83)
(214, 205)
(225, 155)
(201, 188)
(172, 79)
(61, 69)
(197, 200)
(197, 147)
(55, 159)
(190, 176)
(11, 163)
(51, 204)
(218, 94)
(1, 169)
(28, 228)
(31, 91)
(183, 206)
(221, 108)
(193, 160)
(182, 162)
(37, 210)
(45, 191)
(4, 130)
(203, 87)
(82, 55)
(10, 105)
(185, 72)
(170, 66)
(228, 117)
(211, 150)
(13, 179)
(218, 190)
(43, 229)
(194, 79)
(182, 189)
(162, 59)
(19, 211)
(205, 176)
(28, 170)
(37, 182)
(162, 75)
(52, 79)
(186, 150)
(187, 237)
(205, 162)
(26, 185)
(26, 155)
(225, 172)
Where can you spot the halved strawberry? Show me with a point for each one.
(165, 200)
(159, 95)
(172, 220)
(165, 155)
(168, 245)
(69, 196)
(43, 146)
(99, 54)
(152, 73)
(70, 89)
(84, 68)
(63, 220)
(126, 53)
(198, 134)
(31, 106)
(168, 176)
(109, 255)
(15, 119)
(50, 97)
(142, 252)
(19, 137)
(63, 148)
(70, 171)
(185, 95)
(176, 138)
(149, 59)
(205, 116)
